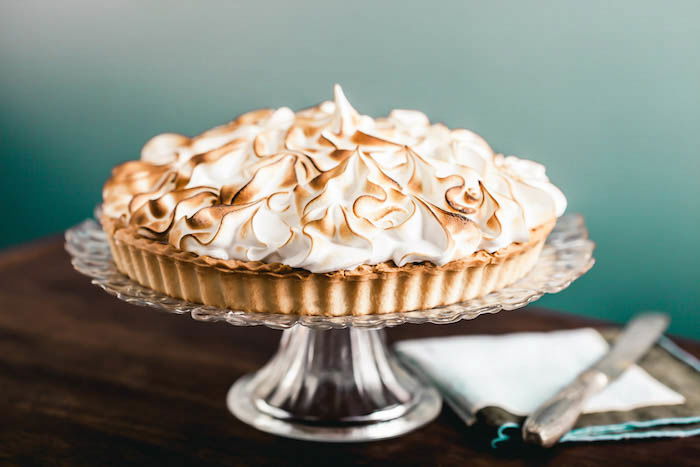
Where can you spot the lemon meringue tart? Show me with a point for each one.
(327, 212)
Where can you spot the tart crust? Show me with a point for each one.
(276, 288)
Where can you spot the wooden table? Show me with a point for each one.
(86, 379)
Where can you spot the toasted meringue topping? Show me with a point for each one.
(327, 189)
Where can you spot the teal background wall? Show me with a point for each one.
(606, 94)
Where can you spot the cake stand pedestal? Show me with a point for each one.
(333, 385)
(334, 378)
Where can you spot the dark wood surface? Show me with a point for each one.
(86, 379)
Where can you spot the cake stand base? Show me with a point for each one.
(336, 385)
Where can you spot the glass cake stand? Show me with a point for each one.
(334, 378)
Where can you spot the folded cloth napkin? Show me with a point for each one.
(494, 382)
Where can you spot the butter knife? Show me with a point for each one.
(549, 422)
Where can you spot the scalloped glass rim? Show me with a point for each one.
(566, 256)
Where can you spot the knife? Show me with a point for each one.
(556, 416)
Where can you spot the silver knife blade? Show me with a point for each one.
(636, 339)
(549, 422)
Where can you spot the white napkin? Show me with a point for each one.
(518, 372)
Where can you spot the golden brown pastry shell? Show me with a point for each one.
(276, 288)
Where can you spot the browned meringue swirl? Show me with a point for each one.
(327, 188)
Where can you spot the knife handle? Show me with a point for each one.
(559, 414)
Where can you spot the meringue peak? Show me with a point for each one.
(345, 118)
